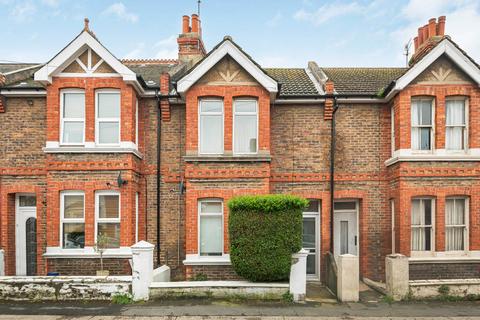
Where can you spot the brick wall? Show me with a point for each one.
(88, 266)
(446, 270)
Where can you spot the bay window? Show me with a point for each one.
(422, 224)
(107, 120)
(210, 216)
(211, 126)
(245, 135)
(456, 128)
(72, 115)
(422, 124)
(456, 222)
(72, 219)
(107, 213)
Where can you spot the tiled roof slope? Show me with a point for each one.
(20, 75)
(293, 81)
(362, 81)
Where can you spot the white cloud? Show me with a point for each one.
(167, 48)
(118, 9)
(51, 3)
(462, 24)
(327, 12)
(275, 20)
(23, 11)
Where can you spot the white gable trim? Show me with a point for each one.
(444, 47)
(227, 47)
(69, 53)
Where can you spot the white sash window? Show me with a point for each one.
(107, 124)
(72, 114)
(456, 128)
(422, 124)
(245, 135)
(456, 224)
(422, 225)
(210, 227)
(210, 126)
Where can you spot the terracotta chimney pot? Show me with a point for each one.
(432, 27)
(195, 24)
(420, 36)
(185, 24)
(425, 32)
(441, 25)
(415, 42)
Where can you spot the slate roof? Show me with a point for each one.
(9, 67)
(363, 81)
(293, 81)
(20, 75)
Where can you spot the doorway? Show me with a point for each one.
(345, 228)
(311, 239)
(25, 235)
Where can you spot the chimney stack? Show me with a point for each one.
(433, 31)
(190, 44)
(441, 26)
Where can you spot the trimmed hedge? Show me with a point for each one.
(264, 232)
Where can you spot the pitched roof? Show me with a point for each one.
(362, 81)
(20, 75)
(293, 81)
(9, 67)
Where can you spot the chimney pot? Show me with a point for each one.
(432, 27)
(441, 25)
(185, 24)
(420, 36)
(415, 42)
(195, 23)
(425, 33)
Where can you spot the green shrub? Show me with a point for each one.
(122, 298)
(264, 232)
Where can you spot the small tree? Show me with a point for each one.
(100, 246)
(264, 232)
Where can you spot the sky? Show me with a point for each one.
(276, 33)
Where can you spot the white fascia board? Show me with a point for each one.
(444, 47)
(227, 48)
(83, 41)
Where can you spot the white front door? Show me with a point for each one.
(345, 229)
(25, 209)
(311, 239)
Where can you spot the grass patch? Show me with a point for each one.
(388, 299)
(122, 298)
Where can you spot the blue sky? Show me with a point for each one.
(274, 32)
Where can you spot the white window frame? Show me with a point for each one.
(200, 214)
(136, 122)
(200, 113)
(107, 220)
(466, 226)
(235, 113)
(465, 131)
(98, 120)
(432, 227)
(432, 126)
(392, 130)
(63, 120)
(70, 220)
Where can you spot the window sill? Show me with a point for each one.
(228, 158)
(196, 260)
(124, 147)
(409, 155)
(446, 257)
(87, 252)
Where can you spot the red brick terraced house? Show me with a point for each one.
(154, 149)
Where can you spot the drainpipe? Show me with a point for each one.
(332, 170)
(159, 122)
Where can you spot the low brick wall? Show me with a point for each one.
(212, 272)
(88, 266)
(447, 270)
(63, 288)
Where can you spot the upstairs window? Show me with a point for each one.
(107, 207)
(456, 223)
(422, 224)
(456, 128)
(107, 124)
(210, 214)
(72, 114)
(211, 126)
(245, 135)
(422, 124)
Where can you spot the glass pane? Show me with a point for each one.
(311, 264)
(344, 205)
(245, 106)
(211, 235)
(309, 238)
(343, 237)
(455, 112)
(418, 239)
(108, 206)
(74, 105)
(416, 213)
(454, 238)
(211, 106)
(245, 134)
(109, 105)
(27, 201)
(73, 206)
(313, 206)
(211, 207)
(428, 240)
(108, 132)
(73, 235)
(112, 233)
(424, 138)
(454, 138)
(72, 132)
(211, 134)
(427, 204)
(426, 112)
